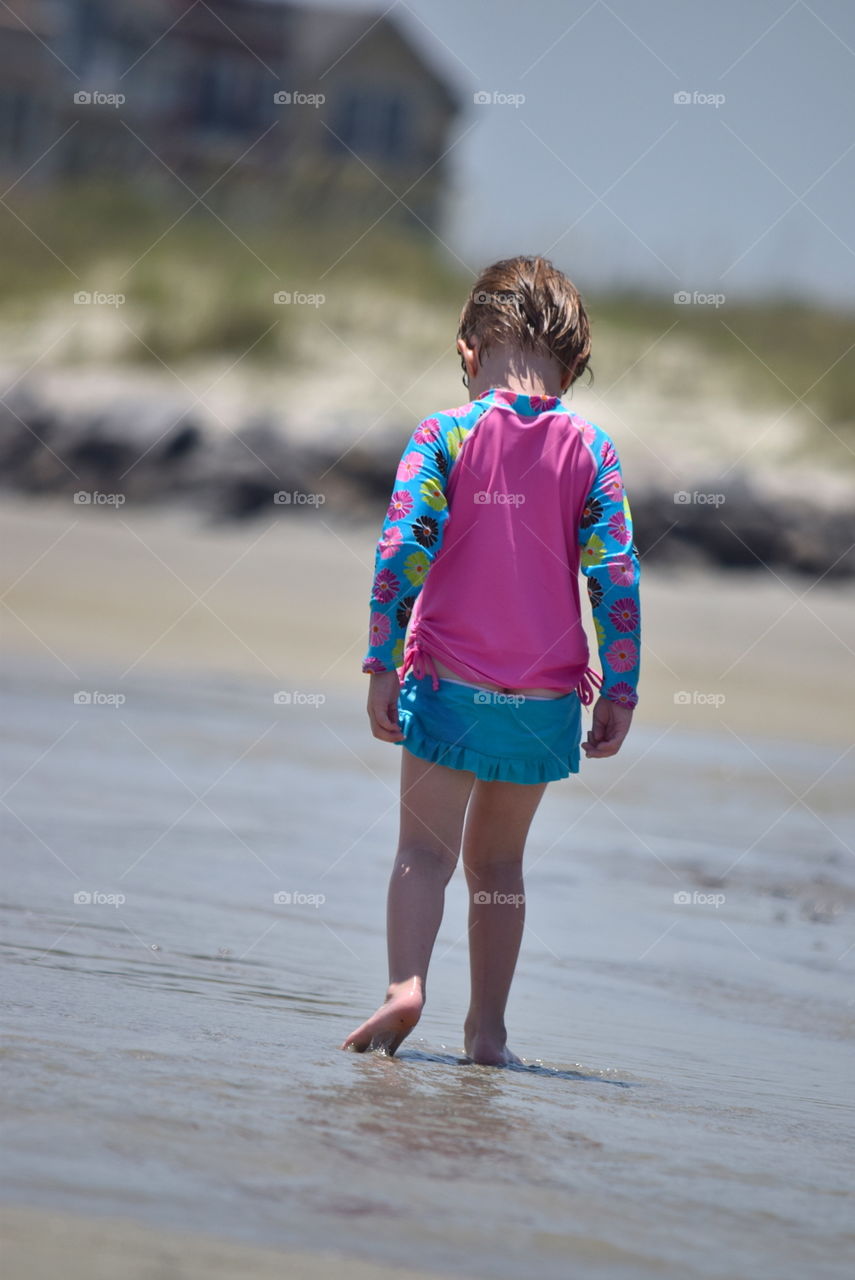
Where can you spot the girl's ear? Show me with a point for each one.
(468, 359)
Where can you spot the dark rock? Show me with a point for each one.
(139, 451)
(156, 452)
(25, 430)
(183, 441)
(744, 528)
(257, 470)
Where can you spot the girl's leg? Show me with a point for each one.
(433, 805)
(497, 824)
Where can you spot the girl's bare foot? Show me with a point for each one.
(486, 1054)
(392, 1022)
(488, 1049)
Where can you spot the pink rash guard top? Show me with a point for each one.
(497, 507)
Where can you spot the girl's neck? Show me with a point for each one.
(528, 376)
(517, 386)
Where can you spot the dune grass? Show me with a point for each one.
(203, 283)
(779, 348)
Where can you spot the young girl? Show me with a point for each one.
(496, 507)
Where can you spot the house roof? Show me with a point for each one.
(325, 36)
(322, 36)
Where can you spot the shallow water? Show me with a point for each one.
(685, 1105)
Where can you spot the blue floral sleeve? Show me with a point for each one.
(411, 537)
(609, 560)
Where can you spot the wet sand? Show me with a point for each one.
(42, 1246)
(287, 600)
(174, 1101)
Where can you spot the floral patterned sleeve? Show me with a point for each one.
(609, 560)
(410, 539)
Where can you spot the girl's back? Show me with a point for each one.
(496, 507)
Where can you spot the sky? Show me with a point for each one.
(747, 188)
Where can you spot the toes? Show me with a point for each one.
(386, 1030)
(357, 1041)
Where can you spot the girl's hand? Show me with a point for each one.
(383, 693)
(610, 727)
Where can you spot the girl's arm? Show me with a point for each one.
(411, 537)
(609, 560)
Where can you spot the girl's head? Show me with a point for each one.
(524, 312)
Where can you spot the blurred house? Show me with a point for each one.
(27, 85)
(332, 110)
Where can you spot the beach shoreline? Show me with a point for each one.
(108, 593)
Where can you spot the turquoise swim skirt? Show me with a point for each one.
(496, 736)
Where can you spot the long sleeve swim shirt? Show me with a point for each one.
(497, 506)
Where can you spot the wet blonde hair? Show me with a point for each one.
(528, 303)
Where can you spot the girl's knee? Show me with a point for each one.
(424, 855)
(496, 858)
